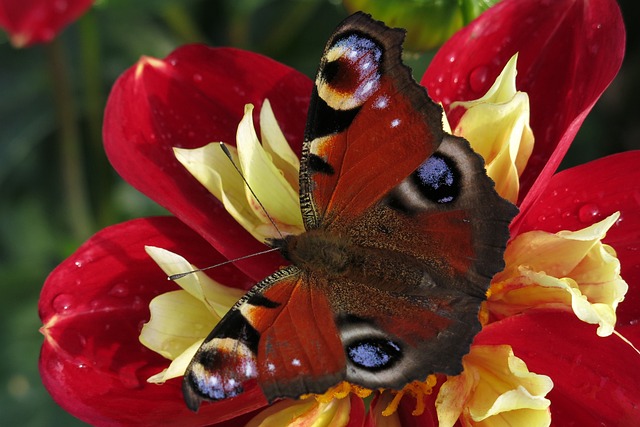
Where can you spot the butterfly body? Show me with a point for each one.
(404, 231)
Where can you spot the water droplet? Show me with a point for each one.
(542, 218)
(452, 59)
(478, 78)
(588, 213)
(119, 290)
(197, 78)
(78, 264)
(62, 303)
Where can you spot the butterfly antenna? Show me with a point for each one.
(186, 273)
(228, 154)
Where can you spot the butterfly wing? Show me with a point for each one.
(369, 125)
(277, 335)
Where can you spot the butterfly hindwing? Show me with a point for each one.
(275, 335)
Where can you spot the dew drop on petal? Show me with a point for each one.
(119, 290)
(478, 78)
(197, 78)
(588, 213)
(62, 303)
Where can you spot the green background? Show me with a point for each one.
(39, 227)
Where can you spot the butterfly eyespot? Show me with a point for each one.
(438, 179)
(374, 354)
(351, 73)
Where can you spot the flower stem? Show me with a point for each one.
(74, 181)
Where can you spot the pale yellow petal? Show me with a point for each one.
(497, 127)
(570, 270)
(278, 196)
(304, 413)
(217, 297)
(180, 320)
(177, 321)
(178, 366)
(213, 169)
(276, 145)
(495, 389)
(452, 397)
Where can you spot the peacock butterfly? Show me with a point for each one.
(404, 231)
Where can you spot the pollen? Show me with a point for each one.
(340, 391)
(417, 389)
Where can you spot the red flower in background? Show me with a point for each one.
(38, 21)
(93, 305)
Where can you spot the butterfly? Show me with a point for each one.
(404, 231)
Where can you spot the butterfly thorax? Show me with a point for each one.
(318, 250)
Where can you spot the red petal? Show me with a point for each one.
(196, 96)
(407, 405)
(569, 53)
(580, 196)
(595, 382)
(37, 21)
(357, 413)
(93, 307)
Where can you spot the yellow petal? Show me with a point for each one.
(212, 168)
(271, 171)
(177, 321)
(278, 196)
(178, 366)
(217, 297)
(180, 320)
(497, 127)
(304, 413)
(495, 389)
(574, 270)
(276, 145)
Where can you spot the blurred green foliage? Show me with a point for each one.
(41, 225)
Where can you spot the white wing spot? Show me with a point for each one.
(295, 362)
(395, 123)
(381, 103)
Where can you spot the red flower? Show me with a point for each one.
(92, 306)
(38, 21)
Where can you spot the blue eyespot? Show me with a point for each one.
(438, 179)
(374, 354)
